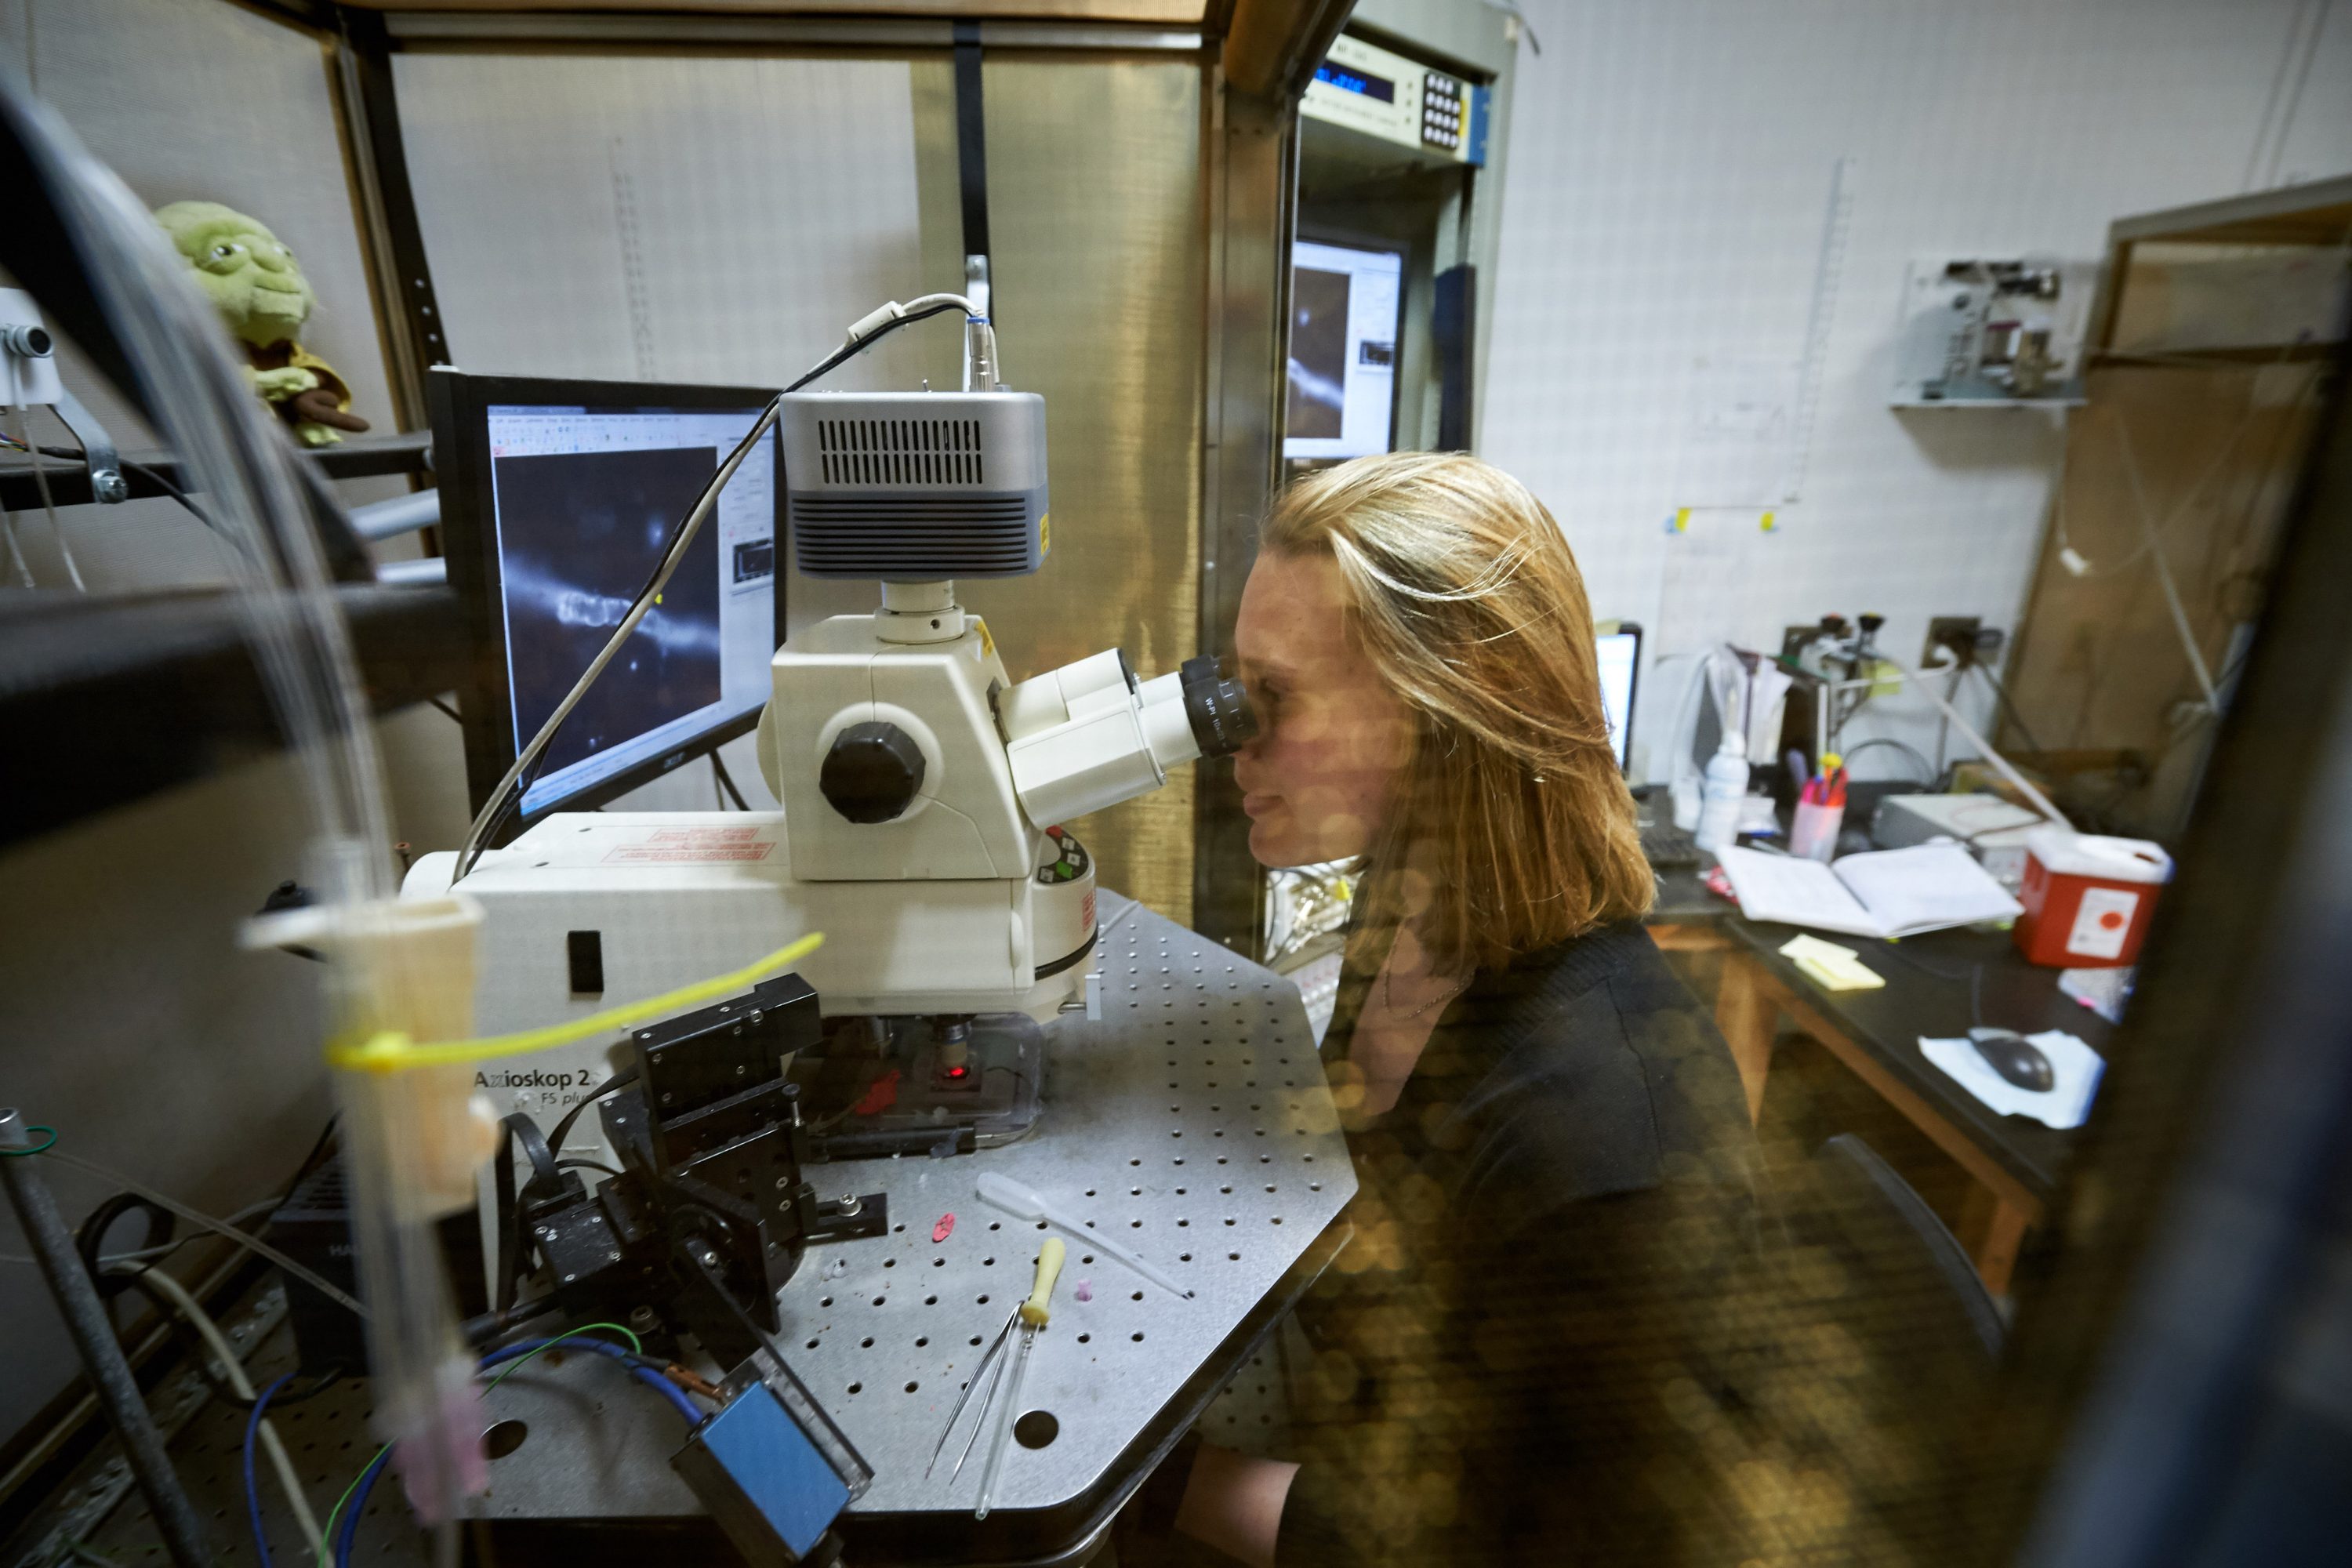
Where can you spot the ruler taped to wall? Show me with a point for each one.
(1827, 272)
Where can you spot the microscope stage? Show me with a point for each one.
(1193, 1118)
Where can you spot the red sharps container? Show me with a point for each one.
(2087, 898)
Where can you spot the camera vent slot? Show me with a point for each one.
(900, 452)
(959, 536)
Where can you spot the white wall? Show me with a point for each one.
(1669, 177)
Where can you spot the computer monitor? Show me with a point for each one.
(1346, 301)
(1619, 646)
(558, 500)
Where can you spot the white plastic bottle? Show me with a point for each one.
(1726, 788)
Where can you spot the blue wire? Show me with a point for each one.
(347, 1533)
(637, 1367)
(252, 1487)
(671, 1391)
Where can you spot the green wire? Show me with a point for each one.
(327, 1529)
(36, 1149)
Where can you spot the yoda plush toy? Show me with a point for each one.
(263, 297)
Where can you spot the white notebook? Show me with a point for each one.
(1885, 893)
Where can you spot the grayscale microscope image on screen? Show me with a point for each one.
(1319, 353)
(1346, 305)
(579, 532)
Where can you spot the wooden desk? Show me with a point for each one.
(1688, 917)
(2014, 1164)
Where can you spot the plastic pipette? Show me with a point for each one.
(1027, 1202)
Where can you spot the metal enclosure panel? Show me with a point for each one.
(682, 218)
(1094, 184)
(1252, 165)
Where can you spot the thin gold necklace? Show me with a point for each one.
(1388, 995)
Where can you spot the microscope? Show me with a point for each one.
(924, 793)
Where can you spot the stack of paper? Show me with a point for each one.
(1830, 966)
(1885, 893)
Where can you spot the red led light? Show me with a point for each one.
(958, 1072)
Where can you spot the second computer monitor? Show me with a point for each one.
(559, 499)
(1345, 302)
(1618, 644)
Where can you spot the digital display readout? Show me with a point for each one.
(1347, 80)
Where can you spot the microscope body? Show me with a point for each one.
(953, 904)
(922, 791)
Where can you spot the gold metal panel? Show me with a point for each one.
(1095, 219)
(1183, 13)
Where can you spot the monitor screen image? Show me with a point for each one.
(1619, 651)
(1345, 303)
(582, 501)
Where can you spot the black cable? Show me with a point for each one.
(509, 1257)
(717, 1283)
(200, 1353)
(619, 1080)
(546, 1182)
(177, 494)
(318, 1154)
(579, 1163)
(840, 356)
(1975, 977)
(444, 708)
(546, 1167)
(1921, 964)
(2001, 694)
(727, 782)
(525, 1131)
(90, 1235)
(70, 455)
(481, 1331)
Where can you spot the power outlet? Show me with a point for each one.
(1970, 640)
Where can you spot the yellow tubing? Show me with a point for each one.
(389, 1050)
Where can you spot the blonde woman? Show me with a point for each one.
(1550, 1138)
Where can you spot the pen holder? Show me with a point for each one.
(1814, 832)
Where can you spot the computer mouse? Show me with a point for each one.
(2018, 1060)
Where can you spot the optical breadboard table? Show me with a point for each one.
(1192, 1121)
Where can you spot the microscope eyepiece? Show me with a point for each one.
(1217, 707)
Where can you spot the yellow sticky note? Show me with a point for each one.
(1830, 966)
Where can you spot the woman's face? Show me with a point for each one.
(1331, 736)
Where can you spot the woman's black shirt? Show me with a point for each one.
(1538, 1345)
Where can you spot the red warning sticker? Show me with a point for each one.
(694, 845)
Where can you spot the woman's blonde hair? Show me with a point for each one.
(1511, 827)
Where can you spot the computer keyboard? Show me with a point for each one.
(1668, 847)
